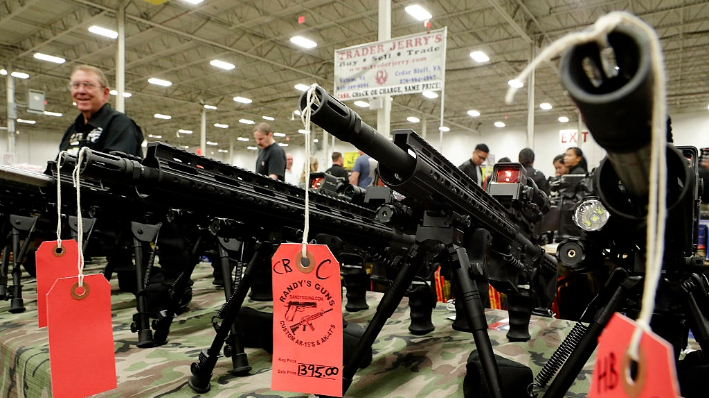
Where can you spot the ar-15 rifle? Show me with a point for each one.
(308, 321)
(207, 186)
(451, 209)
(298, 306)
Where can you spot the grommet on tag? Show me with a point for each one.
(80, 296)
(633, 387)
(58, 251)
(305, 265)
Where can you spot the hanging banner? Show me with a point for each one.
(405, 65)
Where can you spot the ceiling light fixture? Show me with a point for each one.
(49, 58)
(193, 1)
(3, 72)
(212, 143)
(296, 112)
(418, 12)
(223, 150)
(221, 126)
(181, 131)
(515, 83)
(429, 94)
(112, 34)
(20, 75)
(303, 42)
(26, 121)
(212, 107)
(269, 118)
(154, 136)
(160, 82)
(222, 64)
(302, 131)
(246, 121)
(362, 104)
(251, 148)
(444, 129)
(55, 114)
(125, 94)
(545, 105)
(302, 87)
(499, 124)
(564, 119)
(473, 113)
(479, 56)
(161, 116)
(282, 144)
(413, 119)
(243, 100)
(243, 139)
(279, 134)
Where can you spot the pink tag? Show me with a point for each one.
(53, 264)
(81, 354)
(307, 321)
(656, 374)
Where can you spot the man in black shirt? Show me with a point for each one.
(337, 170)
(471, 167)
(526, 157)
(271, 160)
(99, 126)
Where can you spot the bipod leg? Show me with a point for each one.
(20, 226)
(143, 233)
(233, 346)
(87, 225)
(608, 300)
(696, 288)
(468, 294)
(385, 310)
(161, 326)
(202, 370)
(3, 271)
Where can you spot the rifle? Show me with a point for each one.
(212, 188)
(450, 209)
(307, 321)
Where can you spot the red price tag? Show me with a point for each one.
(53, 263)
(655, 376)
(307, 321)
(81, 354)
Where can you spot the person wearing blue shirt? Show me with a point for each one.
(361, 175)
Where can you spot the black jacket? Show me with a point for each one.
(107, 130)
(338, 171)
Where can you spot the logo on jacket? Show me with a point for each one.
(94, 135)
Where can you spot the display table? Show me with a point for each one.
(403, 365)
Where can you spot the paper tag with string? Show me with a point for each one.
(79, 324)
(615, 374)
(81, 351)
(307, 320)
(55, 259)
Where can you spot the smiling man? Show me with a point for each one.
(99, 126)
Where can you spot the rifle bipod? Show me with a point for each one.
(229, 313)
(436, 230)
(162, 324)
(22, 227)
(143, 233)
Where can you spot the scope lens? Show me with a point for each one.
(591, 215)
(507, 174)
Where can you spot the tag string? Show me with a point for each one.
(60, 158)
(657, 206)
(305, 118)
(75, 176)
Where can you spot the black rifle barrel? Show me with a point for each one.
(618, 108)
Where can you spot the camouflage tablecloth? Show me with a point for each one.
(403, 365)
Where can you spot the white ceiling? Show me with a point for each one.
(176, 40)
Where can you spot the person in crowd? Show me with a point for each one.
(472, 168)
(526, 158)
(290, 176)
(313, 164)
(271, 160)
(574, 161)
(362, 171)
(337, 170)
(98, 126)
(559, 166)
